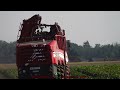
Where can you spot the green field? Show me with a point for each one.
(93, 63)
(95, 70)
(79, 70)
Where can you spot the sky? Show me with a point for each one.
(98, 27)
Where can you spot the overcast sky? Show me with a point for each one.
(95, 26)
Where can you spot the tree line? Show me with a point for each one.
(7, 49)
(87, 52)
(75, 52)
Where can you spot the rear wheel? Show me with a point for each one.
(67, 72)
(58, 72)
(62, 70)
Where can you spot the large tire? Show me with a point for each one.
(58, 72)
(67, 72)
(62, 70)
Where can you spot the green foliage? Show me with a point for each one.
(75, 74)
(9, 73)
(97, 71)
(109, 51)
(7, 49)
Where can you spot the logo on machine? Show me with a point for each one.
(34, 68)
(36, 55)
